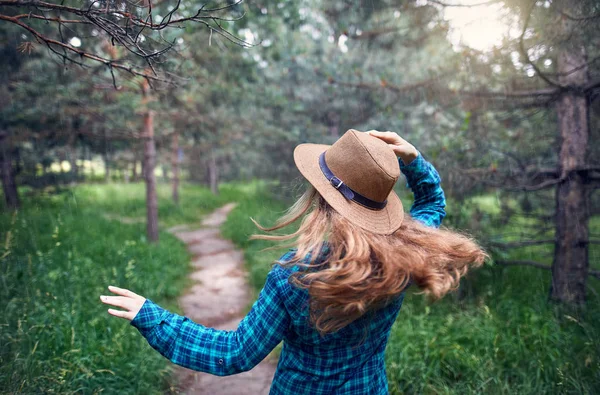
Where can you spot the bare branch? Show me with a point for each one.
(511, 94)
(526, 243)
(368, 34)
(578, 18)
(49, 19)
(516, 244)
(124, 27)
(528, 98)
(386, 85)
(49, 42)
(591, 272)
(591, 86)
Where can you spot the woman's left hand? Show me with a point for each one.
(129, 301)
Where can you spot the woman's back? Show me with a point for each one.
(348, 361)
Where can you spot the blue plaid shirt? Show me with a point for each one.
(349, 361)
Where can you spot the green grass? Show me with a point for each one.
(58, 254)
(128, 201)
(61, 251)
(499, 335)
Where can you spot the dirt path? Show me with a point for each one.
(218, 297)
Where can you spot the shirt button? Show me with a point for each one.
(221, 361)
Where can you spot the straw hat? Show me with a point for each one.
(356, 176)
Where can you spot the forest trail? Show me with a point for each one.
(218, 298)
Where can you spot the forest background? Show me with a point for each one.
(119, 120)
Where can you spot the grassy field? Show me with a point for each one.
(58, 254)
(499, 335)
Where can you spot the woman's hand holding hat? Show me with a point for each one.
(402, 148)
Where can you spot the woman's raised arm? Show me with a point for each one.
(421, 177)
(425, 183)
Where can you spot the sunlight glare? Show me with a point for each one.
(479, 27)
(75, 42)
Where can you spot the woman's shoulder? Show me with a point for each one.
(288, 256)
(292, 261)
(294, 298)
(285, 265)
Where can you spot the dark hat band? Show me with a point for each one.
(345, 190)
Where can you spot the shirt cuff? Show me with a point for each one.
(418, 170)
(413, 164)
(414, 170)
(149, 316)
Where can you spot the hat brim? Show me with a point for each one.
(385, 221)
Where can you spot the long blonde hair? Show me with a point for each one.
(363, 270)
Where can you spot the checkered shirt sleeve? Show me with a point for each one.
(218, 352)
(424, 181)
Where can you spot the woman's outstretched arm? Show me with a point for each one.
(197, 347)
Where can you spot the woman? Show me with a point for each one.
(334, 297)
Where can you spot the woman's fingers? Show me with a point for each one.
(129, 301)
(381, 135)
(118, 301)
(121, 314)
(121, 291)
(388, 137)
(401, 147)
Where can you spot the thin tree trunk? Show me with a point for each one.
(149, 164)
(207, 174)
(106, 158)
(175, 166)
(570, 265)
(333, 119)
(106, 169)
(9, 186)
(143, 169)
(72, 156)
(134, 175)
(61, 160)
(213, 173)
(92, 167)
(165, 173)
(126, 174)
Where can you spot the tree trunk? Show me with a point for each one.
(165, 173)
(213, 174)
(61, 159)
(125, 172)
(134, 175)
(206, 179)
(9, 186)
(72, 156)
(149, 164)
(333, 120)
(106, 169)
(90, 158)
(570, 265)
(106, 158)
(175, 167)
